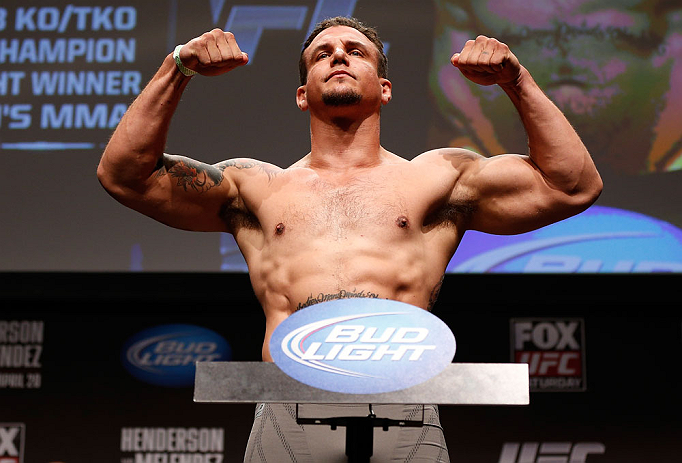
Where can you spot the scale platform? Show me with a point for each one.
(458, 384)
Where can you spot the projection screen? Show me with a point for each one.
(68, 71)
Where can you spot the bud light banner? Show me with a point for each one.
(376, 346)
(600, 240)
(165, 355)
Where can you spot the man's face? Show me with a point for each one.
(342, 70)
(604, 64)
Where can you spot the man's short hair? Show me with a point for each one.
(369, 32)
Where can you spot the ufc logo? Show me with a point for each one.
(248, 22)
(544, 363)
(11, 442)
(549, 452)
(554, 350)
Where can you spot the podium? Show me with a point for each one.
(458, 384)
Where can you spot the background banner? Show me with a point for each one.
(70, 69)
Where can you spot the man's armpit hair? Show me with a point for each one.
(451, 215)
(236, 216)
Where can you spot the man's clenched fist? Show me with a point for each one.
(487, 61)
(213, 53)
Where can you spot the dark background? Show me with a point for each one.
(632, 347)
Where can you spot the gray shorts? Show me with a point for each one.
(277, 438)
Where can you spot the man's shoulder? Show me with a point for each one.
(246, 163)
(303, 162)
(454, 157)
(238, 167)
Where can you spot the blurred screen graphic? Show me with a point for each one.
(70, 69)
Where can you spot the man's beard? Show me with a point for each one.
(346, 98)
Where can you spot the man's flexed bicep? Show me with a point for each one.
(509, 194)
(134, 169)
(517, 193)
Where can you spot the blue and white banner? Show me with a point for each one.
(165, 355)
(362, 346)
(600, 240)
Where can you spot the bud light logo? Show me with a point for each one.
(362, 346)
(165, 355)
(600, 240)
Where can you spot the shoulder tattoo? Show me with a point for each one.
(240, 164)
(190, 175)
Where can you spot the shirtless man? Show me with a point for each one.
(349, 215)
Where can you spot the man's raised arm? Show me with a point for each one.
(517, 193)
(134, 168)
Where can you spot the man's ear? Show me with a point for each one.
(386, 94)
(301, 100)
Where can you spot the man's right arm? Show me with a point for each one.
(177, 191)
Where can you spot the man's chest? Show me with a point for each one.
(388, 201)
(357, 205)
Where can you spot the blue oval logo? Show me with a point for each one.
(599, 240)
(165, 355)
(376, 346)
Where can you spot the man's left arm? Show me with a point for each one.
(517, 193)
